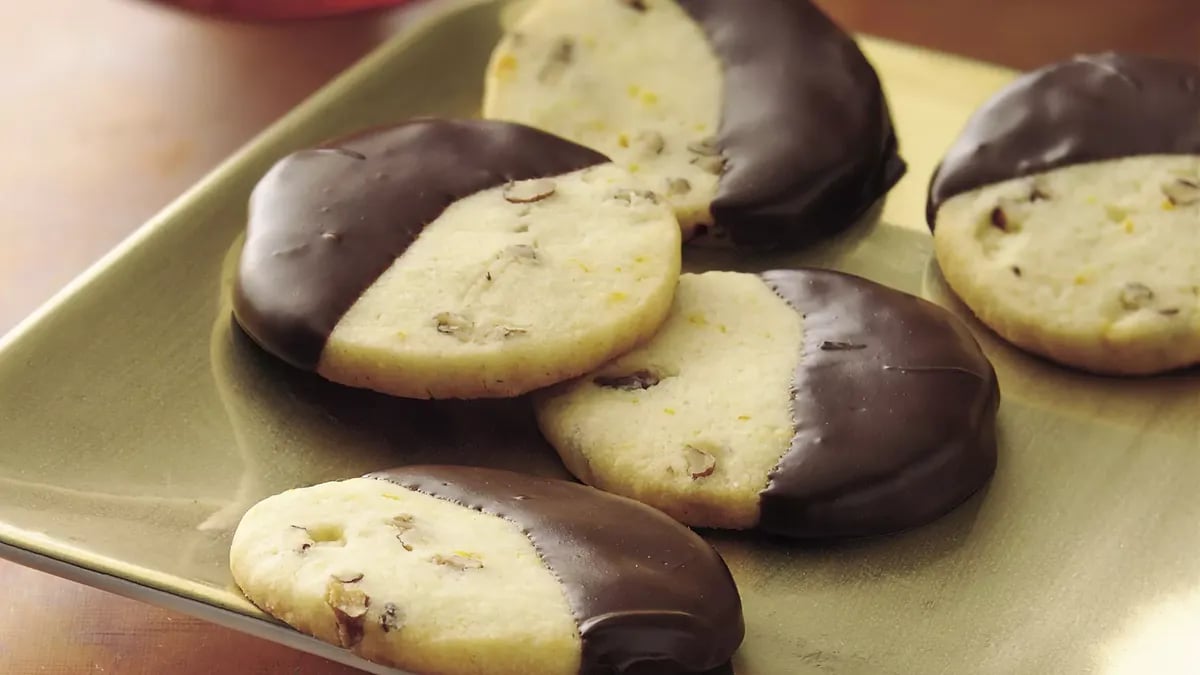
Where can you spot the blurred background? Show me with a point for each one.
(112, 108)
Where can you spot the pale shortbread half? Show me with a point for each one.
(512, 289)
(405, 579)
(634, 79)
(714, 418)
(1096, 266)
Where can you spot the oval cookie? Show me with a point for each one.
(805, 403)
(1064, 215)
(469, 571)
(759, 120)
(453, 259)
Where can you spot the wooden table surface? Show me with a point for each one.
(112, 108)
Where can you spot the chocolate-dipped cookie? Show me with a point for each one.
(470, 571)
(1064, 213)
(453, 259)
(805, 403)
(759, 120)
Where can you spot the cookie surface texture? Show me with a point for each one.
(1063, 214)
(1098, 272)
(805, 403)
(453, 259)
(759, 120)
(459, 570)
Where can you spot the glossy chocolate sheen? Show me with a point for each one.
(805, 129)
(325, 223)
(895, 409)
(1091, 108)
(649, 595)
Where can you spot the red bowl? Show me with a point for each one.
(267, 10)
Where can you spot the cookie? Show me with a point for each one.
(459, 570)
(1064, 214)
(759, 120)
(805, 403)
(453, 259)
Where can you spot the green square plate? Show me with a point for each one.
(137, 426)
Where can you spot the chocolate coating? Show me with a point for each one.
(1087, 109)
(649, 595)
(895, 410)
(805, 129)
(325, 223)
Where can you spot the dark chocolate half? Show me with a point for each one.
(1087, 109)
(649, 595)
(325, 223)
(895, 409)
(805, 130)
